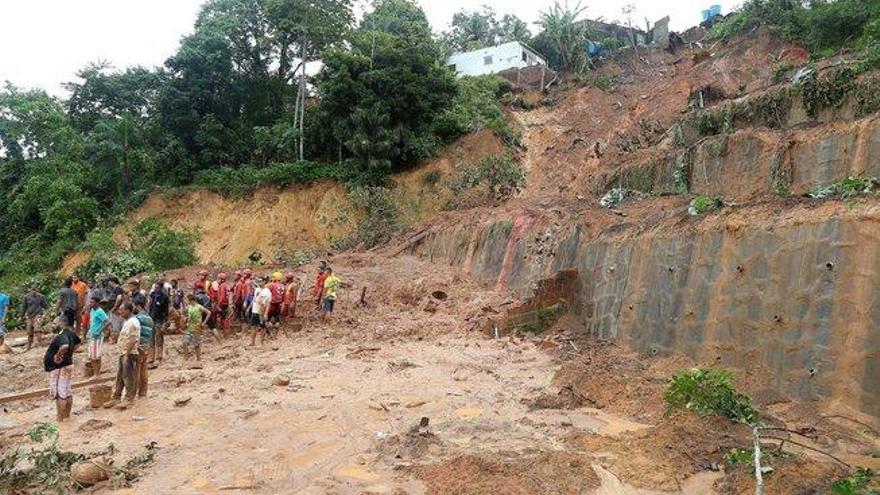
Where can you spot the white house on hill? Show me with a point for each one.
(513, 55)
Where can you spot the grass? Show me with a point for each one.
(855, 484)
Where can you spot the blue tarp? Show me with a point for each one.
(711, 12)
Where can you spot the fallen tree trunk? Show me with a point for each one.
(45, 391)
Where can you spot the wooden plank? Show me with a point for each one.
(45, 391)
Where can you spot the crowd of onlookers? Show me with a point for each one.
(136, 318)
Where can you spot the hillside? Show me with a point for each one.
(622, 285)
(704, 282)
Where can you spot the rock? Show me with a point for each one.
(95, 425)
(182, 402)
(281, 381)
(89, 472)
(99, 395)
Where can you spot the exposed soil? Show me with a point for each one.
(391, 398)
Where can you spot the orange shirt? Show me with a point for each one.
(82, 291)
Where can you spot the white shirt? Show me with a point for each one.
(262, 297)
(129, 336)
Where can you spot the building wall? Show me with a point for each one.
(494, 59)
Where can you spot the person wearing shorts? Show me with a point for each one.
(58, 362)
(98, 324)
(196, 316)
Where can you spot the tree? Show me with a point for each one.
(383, 91)
(104, 93)
(302, 29)
(563, 40)
(472, 30)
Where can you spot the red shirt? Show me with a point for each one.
(199, 285)
(318, 289)
(238, 291)
(221, 296)
(277, 290)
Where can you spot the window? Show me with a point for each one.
(487, 60)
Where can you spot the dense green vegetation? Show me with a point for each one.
(231, 110)
(824, 26)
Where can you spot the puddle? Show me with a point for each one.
(698, 484)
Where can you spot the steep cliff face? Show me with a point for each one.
(789, 291)
(775, 283)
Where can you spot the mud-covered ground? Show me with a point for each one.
(407, 395)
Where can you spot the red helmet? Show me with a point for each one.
(289, 275)
(222, 275)
(203, 273)
(248, 272)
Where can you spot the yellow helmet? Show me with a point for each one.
(277, 276)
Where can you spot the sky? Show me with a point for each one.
(44, 42)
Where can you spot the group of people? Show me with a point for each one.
(137, 320)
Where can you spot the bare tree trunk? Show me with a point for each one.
(302, 106)
(759, 475)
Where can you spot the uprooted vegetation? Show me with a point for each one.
(43, 467)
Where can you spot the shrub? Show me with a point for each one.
(707, 391)
(380, 221)
(501, 174)
(161, 246)
(705, 204)
(249, 177)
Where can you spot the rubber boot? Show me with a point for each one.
(87, 370)
(96, 367)
(59, 409)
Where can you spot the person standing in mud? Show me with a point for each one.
(4, 309)
(276, 289)
(67, 303)
(291, 288)
(118, 297)
(145, 341)
(205, 301)
(220, 304)
(331, 286)
(196, 316)
(258, 310)
(318, 288)
(127, 346)
(58, 362)
(238, 296)
(33, 304)
(99, 323)
(160, 304)
(82, 293)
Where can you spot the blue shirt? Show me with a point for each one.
(4, 304)
(146, 328)
(97, 318)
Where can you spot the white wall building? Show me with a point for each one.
(494, 59)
